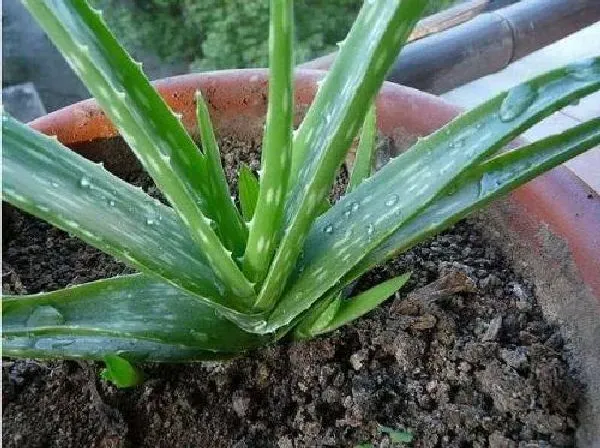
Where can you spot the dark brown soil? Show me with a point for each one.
(465, 361)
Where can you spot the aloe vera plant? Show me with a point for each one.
(215, 281)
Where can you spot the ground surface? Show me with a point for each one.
(465, 360)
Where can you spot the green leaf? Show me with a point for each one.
(230, 225)
(481, 185)
(397, 436)
(355, 307)
(363, 164)
(372, 212)
(318, 317)
(135, 316)
(154, 134)
(248, 190)
(332, 121)
(44, 178)
(276, 154)
(120, 372)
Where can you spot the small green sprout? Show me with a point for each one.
(120, 372)
(214, 282)
(396, 436)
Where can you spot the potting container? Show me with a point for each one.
(549, 228)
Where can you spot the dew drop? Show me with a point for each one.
(370, 229)
(516, 102)
(583, 71)
(111, 203)
(149, 221)
(84, 182)
(488, 184)
(45, 316)
(393, 199)
(354, 206)
(328, 228)
(54, 184)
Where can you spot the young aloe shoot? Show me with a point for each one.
(213, 281)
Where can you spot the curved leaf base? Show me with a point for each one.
(135, 316)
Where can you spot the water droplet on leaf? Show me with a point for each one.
(45, 316)
(583, 71)
(84, 182)
(328, 228)
(516, 102)
(393, 199)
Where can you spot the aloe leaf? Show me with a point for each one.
(484, 183)
(276, 154)
(135, 316)
(363, 164)
(317, 317)
(146, 123)
(248, 187)
(121, 372)
(231, 228)
(495, 176)
(372, 212)
(327, 131)
(355, 307)
(44, 178)
(95, 347)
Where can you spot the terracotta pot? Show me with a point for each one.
(550, 227)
